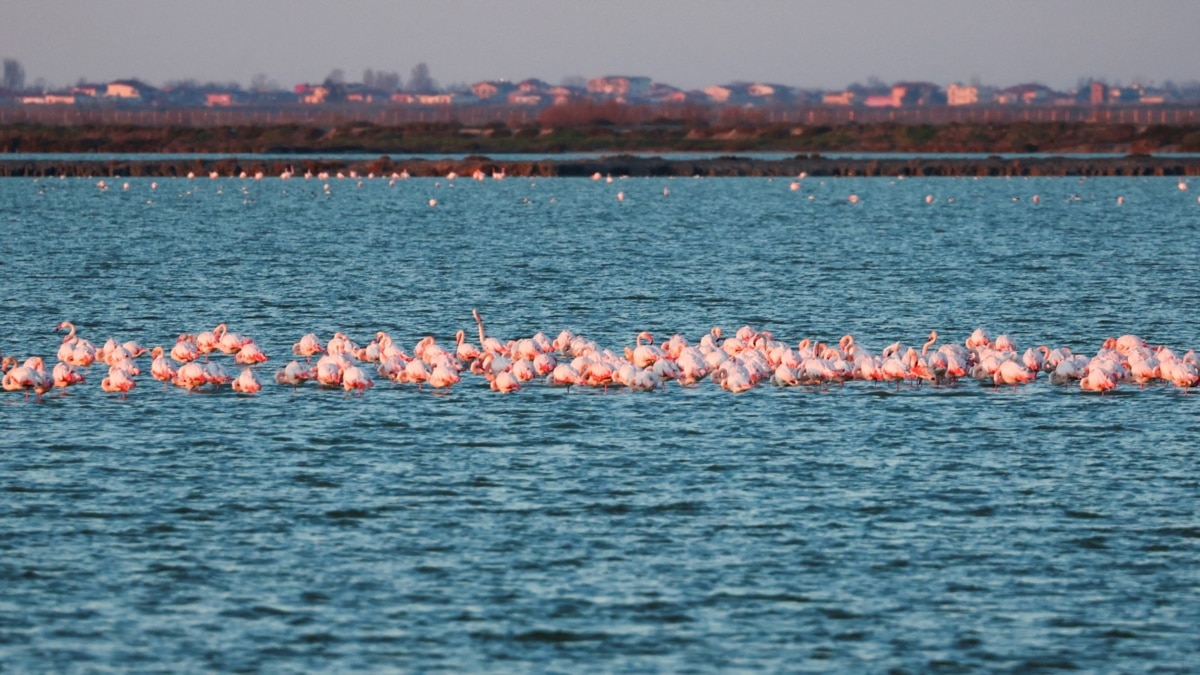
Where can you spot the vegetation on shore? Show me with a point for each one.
(604, 136)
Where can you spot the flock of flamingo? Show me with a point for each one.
(479, 175)
(736, 363)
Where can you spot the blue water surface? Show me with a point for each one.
(856, 528)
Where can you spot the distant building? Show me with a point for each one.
(1155, 96)
(485, 91)
(448, 98)
(1027, 94)
(619, 86)
(524, 99)
(361, 93)
(718, 94)
(839, 98)
(957, 94)
(403, 98)
(562, 95)
(312, 94)
(532, 86)
(917, 94)
(1098, 93)
(218, 99)
(49, 99)
(128, 89)
(665, 93)
(93, 90)
(770, 93)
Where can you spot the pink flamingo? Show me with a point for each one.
(466, 351)
(161, 368)
(357, 378)
(443, 377)
(185, 349)
(246, 382)
(488, 344)
(250, 354)
(294, 373)
(190, 376)
(564, 375)
(118, 381)
(308, 346)
(65, 375)
(1098, 380)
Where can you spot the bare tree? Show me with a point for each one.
(335, 76)
(262, 84)
(378, 79)
(575, 81)
(14, 74)
(421, 82)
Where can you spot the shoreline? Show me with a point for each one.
(620, 165)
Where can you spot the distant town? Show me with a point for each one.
(385, 97)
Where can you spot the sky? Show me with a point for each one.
(687, 43)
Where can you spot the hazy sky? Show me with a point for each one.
(687, 43)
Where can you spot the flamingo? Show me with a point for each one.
(504, 382)
(1098, 380)
(65, 375)
(785, 376)
(190, 376)
(564, 375)
(443, 377)
(308, 346)
(329, 372)
(249, 354)
(29, 376)
(733, 377)
(1069, 369)
(216, 375)
(340, 343)
(979, 338)
(185, 349)
(644, 355)
(488, 344)
(294, 373)
(118, 380)
(232, 343)
(208, 341)
(161, 368)
(1014, 373)
(465, 350)
(246, 382)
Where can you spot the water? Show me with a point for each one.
(859, 528)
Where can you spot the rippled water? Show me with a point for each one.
(860, 528)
